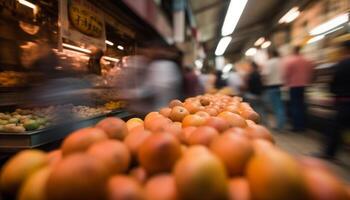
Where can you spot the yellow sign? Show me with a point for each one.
(85, 21)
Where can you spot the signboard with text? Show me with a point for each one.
(82, 22)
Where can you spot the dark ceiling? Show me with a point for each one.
(258, 19)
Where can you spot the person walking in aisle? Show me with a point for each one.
(297, 75)
(339, 86)
(273, 81)
(254, 91)
(235, 82)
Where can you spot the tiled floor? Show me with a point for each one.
(306, 144)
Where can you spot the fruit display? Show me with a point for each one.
(22, 120)
(114, 105)
(209, 147)
(12, 79)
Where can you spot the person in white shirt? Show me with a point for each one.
(273, 81)
(235, 82)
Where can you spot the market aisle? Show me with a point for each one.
(306, 144)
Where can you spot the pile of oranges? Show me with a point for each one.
(209, 147)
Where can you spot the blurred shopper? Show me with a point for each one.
(340, 87)
(235, 82)
(297, 74)
(254, 90)
(273, 81)
(192, 86)
(219, 81)
(207, 81)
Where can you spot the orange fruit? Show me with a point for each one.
(218, 123)
(239, 189)
(77, 177)
(81, 140)
(158, 124)
(178, 113)
(174, 103)
(185, 134)
(161, 187)
(202, 136)
(113, 154)
(203, 114)
(134, 140)
(165, 111)
(54, 156)
(234, 151)
(275, 169)
(193, 120)
(235, 120)
(114, 127)
(134, 122)
(19, 168)
(139, 174)
(259, 132)
(156, 146)
(199, 175)
(192, 107)
(124, 188)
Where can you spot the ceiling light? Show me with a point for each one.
(227, 68)
(331, 24)
(260, 41)
(109, 43)
(266, 44)
(233, 14)
(76, 48)
(290, 16)
(221, 48)
(120, 47)
(251, 52)
(110, 59)
(29, 4)
(315, 39)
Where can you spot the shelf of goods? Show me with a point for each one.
(207, 147)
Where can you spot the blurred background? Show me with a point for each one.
(77, 61)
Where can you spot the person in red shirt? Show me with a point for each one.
(297, 75)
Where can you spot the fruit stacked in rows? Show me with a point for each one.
(206, 148)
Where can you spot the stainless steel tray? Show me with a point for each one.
(13, 142)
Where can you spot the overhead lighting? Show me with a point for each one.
(109, 43)
(29, 4)
(260, 41)
(290, 16)
(76, 48)
(315, 39)
(251, 52)
(331, 24)
(221, 48)
(266, 44)
(120, 47)
(233, 14)
(227, 68)
(110, 59)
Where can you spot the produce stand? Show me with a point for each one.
(13, 142)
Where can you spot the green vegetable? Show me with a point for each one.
(30, 125)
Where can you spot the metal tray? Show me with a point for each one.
(13, 142)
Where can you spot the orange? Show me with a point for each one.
(113, 154)
(193, 120)
(114, 127)
(234, 151)
(178, 113)
(235, 120)
(165, 111)
(174, 103)
(239, 189)
(218, 123)
(134, 122)
(159, 152)
(202, 136)
(134, 140)
(81, 140)
(124, 188)
(161, 187)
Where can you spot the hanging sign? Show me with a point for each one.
(82, 22)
